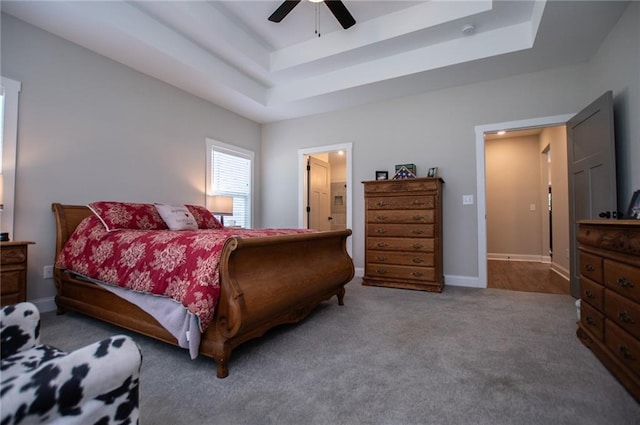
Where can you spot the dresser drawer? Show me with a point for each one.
(591, 266)
(13, 254)
(623, 346)
(400, 272)
(623, 311)
(401, 244)
(622, 278)
(401, 202)
(401, 216)
(405, 185)
(593, 320)
(401, 230)
(592, 292)
(401, 258)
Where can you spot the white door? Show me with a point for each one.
(319, 207)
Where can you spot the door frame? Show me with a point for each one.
(480, 130)
(302, 167)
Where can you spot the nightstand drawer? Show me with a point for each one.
(13, 254)
(11, 281)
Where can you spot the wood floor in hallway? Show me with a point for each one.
(525, 276)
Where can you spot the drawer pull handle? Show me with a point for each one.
(418, 202)
(381, 204)
(417, 246)
(625, 353)
(624, 282)
(417, 217)
(418, 260)
(590, 321)
(381, 231)
(590, 268)
(381, 217)
(624, 316)
(381, 271)
(381, 258)
(417, 231)
(589, 294)
(417, 274)
(382, 244)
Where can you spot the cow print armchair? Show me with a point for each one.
(96, 384)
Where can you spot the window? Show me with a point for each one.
(230, 173)
(9, 94)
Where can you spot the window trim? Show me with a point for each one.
(237, 151)
(11, 89)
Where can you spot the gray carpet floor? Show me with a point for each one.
(388, 356)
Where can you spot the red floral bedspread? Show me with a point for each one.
(182, 265)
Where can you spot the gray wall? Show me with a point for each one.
(437, 129)
(92, 129)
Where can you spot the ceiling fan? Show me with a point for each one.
(336, 7)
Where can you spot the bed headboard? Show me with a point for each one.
(67, 219)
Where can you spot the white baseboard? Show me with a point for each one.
(45, 304)
(560, 271)
(466, 281)
(518, 257)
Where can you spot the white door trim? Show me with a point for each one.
(480, 177)
(348, 148)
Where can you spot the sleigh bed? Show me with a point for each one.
(264, 281)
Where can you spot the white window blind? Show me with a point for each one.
(230, 174)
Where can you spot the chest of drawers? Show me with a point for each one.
(13, 272)
(403, 234)
(609, 323)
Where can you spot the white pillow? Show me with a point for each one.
(177, 217)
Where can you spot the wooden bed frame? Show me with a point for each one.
(264, 282)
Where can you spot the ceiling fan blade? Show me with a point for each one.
(341, 13)
(283, 10)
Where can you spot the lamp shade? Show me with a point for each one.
(221, 205)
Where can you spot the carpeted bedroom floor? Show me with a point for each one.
(388, 356)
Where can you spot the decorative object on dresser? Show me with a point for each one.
(633, 211)
(610, 296)
(13, 270)
(403, 234)
(433, 171)
(382, 175)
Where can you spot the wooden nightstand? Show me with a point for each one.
(13, 271)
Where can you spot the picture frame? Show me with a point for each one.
(382, 175)
(633, 211)
(409, 167)
(433, 171)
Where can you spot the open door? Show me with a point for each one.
(319, 206)
(592, 172)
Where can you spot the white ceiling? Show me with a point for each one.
(227, 52)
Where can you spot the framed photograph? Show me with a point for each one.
(634, 206)
(433, 171)
(382, 175)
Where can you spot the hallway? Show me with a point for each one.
(525, 276)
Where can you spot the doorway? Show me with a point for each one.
(481, 178)
(339, 159)
(519, 175)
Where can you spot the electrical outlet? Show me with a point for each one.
(467, 199)
(47, 272)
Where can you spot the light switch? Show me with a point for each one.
(467, 199)
(532, 207)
